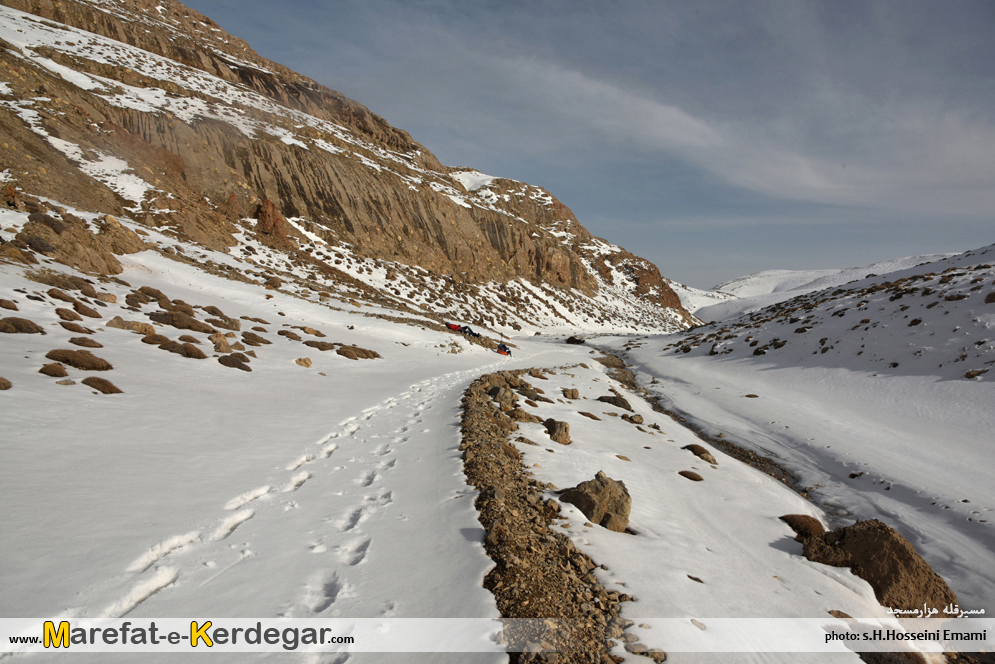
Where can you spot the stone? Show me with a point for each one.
(304, 362)
(571, 393)
(559, 432)
(55, 370)
(144, 329)
(603, 501)
(5, 384)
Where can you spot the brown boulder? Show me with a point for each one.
(603, 500)
(135, 326)
(691, 475)
(571, 393)
(7, 304)
(319, 345)
(67, 314)
(5, 384)
(901, 579)
(559, 432)
(520, 415)
(304, 362)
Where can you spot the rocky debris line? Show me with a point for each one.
(538, 572)
(749, 457)
(603, 501)
(901, 579)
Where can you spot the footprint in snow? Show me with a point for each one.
(297, 481)
(247, 497)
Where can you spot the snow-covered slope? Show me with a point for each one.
(772, 286)
(877, 395)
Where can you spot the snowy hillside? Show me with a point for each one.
(772, 286)
(876, 396)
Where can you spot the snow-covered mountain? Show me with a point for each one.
(148, 111)
(227, 389)
(768, 287)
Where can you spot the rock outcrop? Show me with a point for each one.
(901, 579)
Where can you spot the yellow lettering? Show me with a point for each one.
(200, 633)
(60, 637)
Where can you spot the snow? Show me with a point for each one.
(472, 180)
(288, 493)
(769, 287)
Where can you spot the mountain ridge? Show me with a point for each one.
(189, 130)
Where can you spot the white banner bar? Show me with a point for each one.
(803, 635)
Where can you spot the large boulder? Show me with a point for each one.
(559, 431)
(603, 501)
(901, 579)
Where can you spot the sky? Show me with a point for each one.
(716, 139)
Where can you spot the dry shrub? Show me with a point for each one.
(700, 452)
(55, 370)
(57, 294)
(233, 362)
(804, 525)
(80, 359)
(20, 326)
(357, 353)
(73, 327)
(226, 323)
(63, 281)
(254, 339)
(102, 385)
(84, 310)
(68, 314)
(189, 339)
(186, 350)
(181, 321)
(86, 342)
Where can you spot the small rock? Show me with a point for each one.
(67, 381)
(102, 385)
(5, 384)
(701, 453)
(691, 475)
(304, 362)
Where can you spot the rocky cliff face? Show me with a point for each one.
(148, 111)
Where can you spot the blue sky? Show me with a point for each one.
(715, 139)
